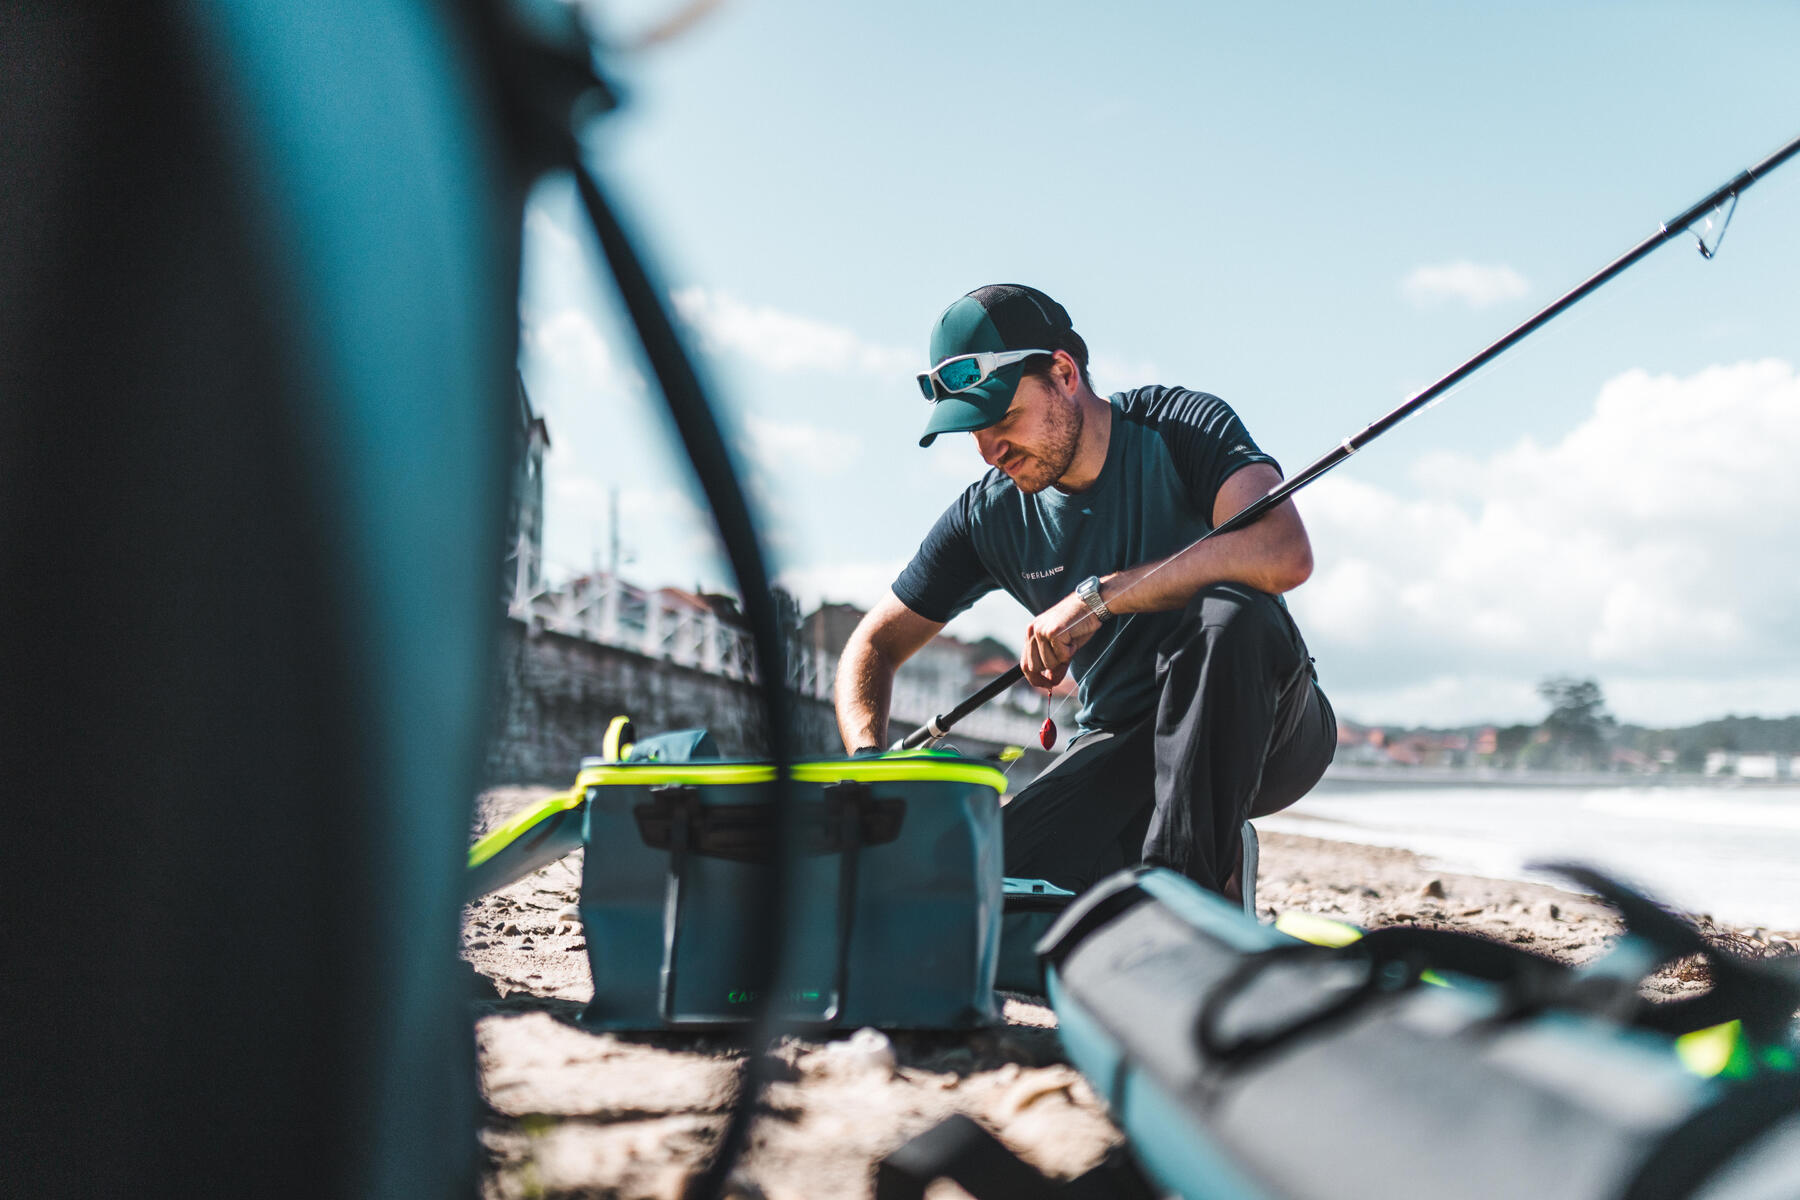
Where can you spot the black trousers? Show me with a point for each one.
(1241, 730)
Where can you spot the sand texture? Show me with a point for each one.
(571, 1113)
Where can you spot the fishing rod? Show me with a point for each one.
(940, 725)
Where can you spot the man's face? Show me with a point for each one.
(1035, 442)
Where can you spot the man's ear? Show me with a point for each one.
(1067, 373)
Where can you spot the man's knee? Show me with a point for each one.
(1232, 616)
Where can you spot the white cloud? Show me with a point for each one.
(862, 584)
(1475, 284)
(576, 490)
(784, 341)
(569, 343)
(781, 447)
(541, 227)
(1651, 547)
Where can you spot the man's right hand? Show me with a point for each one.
(1052, 639)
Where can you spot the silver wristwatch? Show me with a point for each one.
(1089, 591)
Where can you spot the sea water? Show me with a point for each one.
(1730, 852)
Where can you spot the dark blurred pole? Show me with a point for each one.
(252, 476)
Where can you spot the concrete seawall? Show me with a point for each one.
(555, 695)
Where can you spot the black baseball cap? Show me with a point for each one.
(1000, 316)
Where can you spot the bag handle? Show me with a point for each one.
(849, 817)
(746, 832)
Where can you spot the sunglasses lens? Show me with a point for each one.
(925, 386)
(960, 374)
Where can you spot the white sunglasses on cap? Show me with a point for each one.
(965, 371)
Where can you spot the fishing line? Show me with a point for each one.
(1703, 214)
(1483, 373)
(1582, 318)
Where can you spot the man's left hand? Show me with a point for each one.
(1052, 639)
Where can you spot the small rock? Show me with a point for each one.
(1471, 912)
(1433, 889)
(510, 929)
(570, 915)
(865, 1050)
(1032, 1088)
(479, 944)
(1550, 910)
(576, 946)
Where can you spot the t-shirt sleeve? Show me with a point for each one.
(1208, 442)
(946, 575)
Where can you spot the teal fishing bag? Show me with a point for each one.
(1243, 1064)
(1031, 908)
(1416, 1061)
(898, 889)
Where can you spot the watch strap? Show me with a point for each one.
(1089, 591)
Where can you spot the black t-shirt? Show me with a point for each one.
(1170, 451)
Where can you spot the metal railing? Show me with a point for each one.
(610, 611)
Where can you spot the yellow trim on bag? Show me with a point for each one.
(1320, 931)
(498, 839)
(895, 770)
(860, 770)
(614, 747)
(1707, 1052)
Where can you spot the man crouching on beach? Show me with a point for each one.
(1200, 707)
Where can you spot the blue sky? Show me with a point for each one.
(1308, 209)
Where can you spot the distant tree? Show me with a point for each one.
(1509, 741)
(1578, 722)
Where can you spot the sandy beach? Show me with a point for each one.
(571, 1113)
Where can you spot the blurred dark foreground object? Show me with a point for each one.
(257, 336)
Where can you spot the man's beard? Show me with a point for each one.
(1050, 460)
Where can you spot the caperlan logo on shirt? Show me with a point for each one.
(1056, 570)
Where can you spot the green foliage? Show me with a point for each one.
(1578, 723)
(1578, 733)
(1508, 742)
